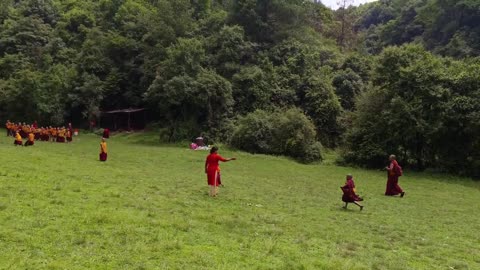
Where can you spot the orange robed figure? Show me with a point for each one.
(30, 140)
(53, 134)
(103, 150)
(18, 139)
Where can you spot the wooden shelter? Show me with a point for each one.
(125, 119)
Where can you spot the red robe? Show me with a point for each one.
(106, 133)
(392, 183)
(213, 169)
(349, 192)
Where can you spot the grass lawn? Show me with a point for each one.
(148, 208)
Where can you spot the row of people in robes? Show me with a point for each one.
(52, 134)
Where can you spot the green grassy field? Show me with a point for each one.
(148, 208)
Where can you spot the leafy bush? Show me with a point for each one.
(288, 133)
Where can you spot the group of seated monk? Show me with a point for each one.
(34, 133)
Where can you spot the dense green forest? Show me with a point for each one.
(267, 76)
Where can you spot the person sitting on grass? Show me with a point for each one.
(31, 139)
(349, 193)
(18, 139)
(103, 150)
(212, 169)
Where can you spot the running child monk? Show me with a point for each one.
(349, 193)
(103, 150)
(31, 139)
(18, 139)
(212, 169)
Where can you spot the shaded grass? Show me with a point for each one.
(147, 208)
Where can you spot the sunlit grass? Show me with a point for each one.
(147, 208)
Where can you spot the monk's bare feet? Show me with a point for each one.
(402, 194)
(361, 208)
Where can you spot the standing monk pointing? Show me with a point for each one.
(212, 169)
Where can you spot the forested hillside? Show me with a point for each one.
(229, 69)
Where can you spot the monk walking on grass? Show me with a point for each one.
(394, 172)
(103, 150)
(212, 169)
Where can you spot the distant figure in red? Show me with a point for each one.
(106, 133)
(35, 124)
(212, 169)
(394, 172)
(69, 132)
(349, 193)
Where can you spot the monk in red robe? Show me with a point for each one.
(212, 169)
(349, 193)
(394, 172)
(103, 150)
(25, 130)
(69, 132)
(38, 134)
(106, 133)
(69, 136)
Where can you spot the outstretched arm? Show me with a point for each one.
(226, 159)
